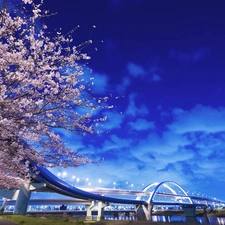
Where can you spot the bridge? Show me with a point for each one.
(164, 193)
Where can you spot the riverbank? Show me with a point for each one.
(64, 219)
(27, 220)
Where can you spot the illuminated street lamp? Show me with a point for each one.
(73, 177)
(99, 181)
(78, 179)
(64, 175)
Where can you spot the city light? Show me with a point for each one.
(64, 174)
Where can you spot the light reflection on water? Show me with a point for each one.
(217, 220)
(201, 220)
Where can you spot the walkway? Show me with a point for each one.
(4, 221)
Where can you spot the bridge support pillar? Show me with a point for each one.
(148, 211)
(205, 219)
(89, 211)
(127, 215)
(144, 212)
(2, 209)
(101, 206)
(22, 199)
(189, 212)
(116, 215)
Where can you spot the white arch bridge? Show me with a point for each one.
(164, 193)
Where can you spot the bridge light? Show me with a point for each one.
(64, 174)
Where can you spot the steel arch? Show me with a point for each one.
(178, 195)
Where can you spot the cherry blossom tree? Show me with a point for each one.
(41, 90)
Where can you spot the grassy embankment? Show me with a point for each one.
(27, 220)
(61, 220)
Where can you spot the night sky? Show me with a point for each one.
(163, 63)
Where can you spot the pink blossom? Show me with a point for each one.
(40, 91)
(27, 1)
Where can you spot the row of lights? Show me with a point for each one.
(200, 194)
(63, 175)
(77, 180)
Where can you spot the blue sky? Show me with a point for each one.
(164, 60)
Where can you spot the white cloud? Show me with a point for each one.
(116, 142)
(126, 82)
(191, 56)
(141, 124)
(97, 82)
(198, 119)
(155, 78)
(208, 144)
(136, 70)
(100, 83)
(200, 54)
(114, 120)
(133, 109)
(150, 74)
(166, 148)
